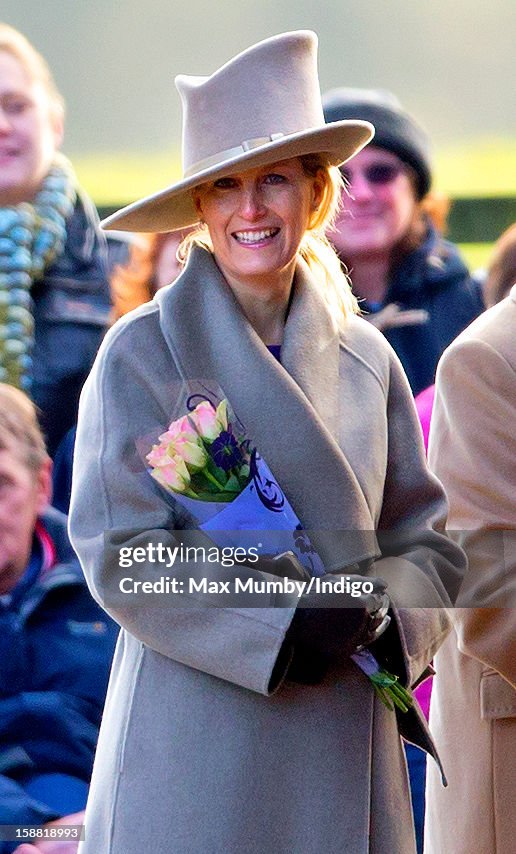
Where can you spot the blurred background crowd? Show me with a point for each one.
(63, 282)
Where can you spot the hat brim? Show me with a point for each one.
(173, 207)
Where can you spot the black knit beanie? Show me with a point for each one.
(395, 130)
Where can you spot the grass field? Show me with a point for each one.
(485, 168)
(476, 255)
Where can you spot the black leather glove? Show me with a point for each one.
(337, 624)
(332, 623)
(329, 624)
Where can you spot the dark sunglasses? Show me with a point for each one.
(375, 173)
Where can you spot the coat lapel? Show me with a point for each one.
(289, 411)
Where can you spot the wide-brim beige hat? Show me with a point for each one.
(261, 107)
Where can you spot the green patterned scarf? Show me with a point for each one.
(32, 235)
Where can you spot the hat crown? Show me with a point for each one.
(261, 107)
(270, 89)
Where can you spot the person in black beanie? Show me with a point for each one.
(412, 284)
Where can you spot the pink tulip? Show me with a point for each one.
(174, 476)
(181, 427)
(207, 420)
(158, 456)
(192, 453)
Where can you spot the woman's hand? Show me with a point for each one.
(336, 623)
(393, 316)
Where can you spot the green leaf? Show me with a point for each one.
(391, 691)
(232, 484)
(216, 472)
(218, 497)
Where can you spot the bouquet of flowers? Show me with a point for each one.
(206, 461)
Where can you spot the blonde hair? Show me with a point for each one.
(19, 427)
(315, 249)
(15, 43)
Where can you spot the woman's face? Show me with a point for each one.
(380, 207)
(257, 220)
(30, 132)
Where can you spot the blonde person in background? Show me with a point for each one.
(54, 290)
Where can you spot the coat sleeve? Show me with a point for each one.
(422, 566)
(116, 504)
(472, 451)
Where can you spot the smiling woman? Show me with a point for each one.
(256, 222)
(54, 295)
(36, 120)
(222, 724)
(257, 219)
(283, 183)
(412, 284)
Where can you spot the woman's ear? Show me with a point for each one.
(196, 197)
(318, 184)
(57, 121)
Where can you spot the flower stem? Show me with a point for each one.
(213, 480)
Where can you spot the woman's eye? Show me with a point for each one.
(224, 184)
(16, 106)
(274, 178)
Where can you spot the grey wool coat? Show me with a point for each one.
(199, 753)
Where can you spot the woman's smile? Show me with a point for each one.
(257, 220)
(254, 238)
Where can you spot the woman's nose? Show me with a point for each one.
(5, 124)
(359, 188)
(251, 203)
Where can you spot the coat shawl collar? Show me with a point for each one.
(290, 411)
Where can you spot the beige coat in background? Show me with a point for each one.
(473, 711)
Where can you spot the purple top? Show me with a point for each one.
(275, 349)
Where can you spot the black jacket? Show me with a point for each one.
(434, 278)
(71, 313)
